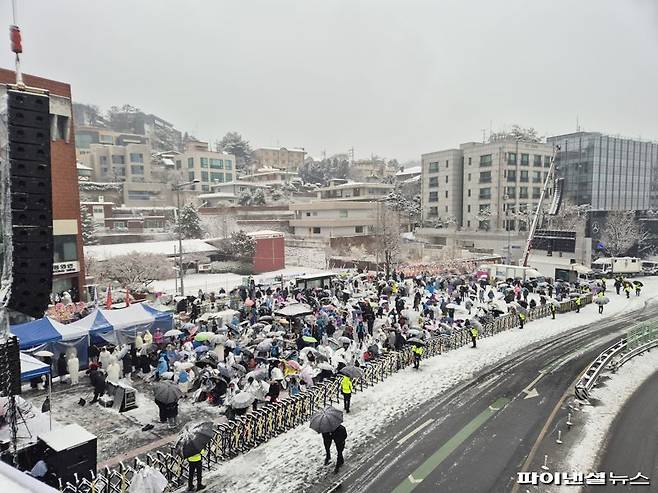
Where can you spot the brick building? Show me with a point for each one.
(68, 266)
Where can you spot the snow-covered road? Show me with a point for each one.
(292, 461)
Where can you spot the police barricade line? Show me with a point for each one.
(249, 431)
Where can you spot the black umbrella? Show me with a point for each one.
(638, 283)
(194, 438)
(352, 371)
(326, 420)
(166, 392)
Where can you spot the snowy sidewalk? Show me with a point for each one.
(293, 460)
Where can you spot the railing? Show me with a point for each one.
(593, 372)
(248, 431)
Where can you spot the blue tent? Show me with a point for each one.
(36, 333)
(32, 367)
(163, 320)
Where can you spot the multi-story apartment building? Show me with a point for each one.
(279, 157)
(68, 256)
(606, 172)
(441, 186)
(355, 191)
(197, 162)
(484, 186)
(331, 218)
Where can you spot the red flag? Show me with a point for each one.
(108, 300)
(127, 297)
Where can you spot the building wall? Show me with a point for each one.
(282, 158)
(270, 255)
(198, 163)
(441, 185)
(64, 174)
(609, 173)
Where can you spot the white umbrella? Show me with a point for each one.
(173, 333)
(44, 354)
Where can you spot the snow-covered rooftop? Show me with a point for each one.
(104, 252)
(66, 437)
(218, 195)
(409, 171)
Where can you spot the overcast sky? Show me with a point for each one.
(394, 78)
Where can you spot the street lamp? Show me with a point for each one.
(509, 239)
(177, 187)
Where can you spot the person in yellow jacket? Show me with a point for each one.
(474, 335)
(418, 354)
(521, 319)
(346, 389)
(579, 302)
(196, 467)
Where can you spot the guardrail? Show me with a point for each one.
(615, 365)
(248, 431)
(591, 375)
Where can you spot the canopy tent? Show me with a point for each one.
(96, 325)
(163, 320)
(37, 332)
(32, 367)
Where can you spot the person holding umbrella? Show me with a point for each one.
(638, 287)
(328, 422)
(191, 444)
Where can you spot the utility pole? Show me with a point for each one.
(177, 188)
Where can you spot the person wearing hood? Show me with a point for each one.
(73, 367)
(61, 366)
(104, 358)
(113, 370)
(97, 379)
(255, 388)
(163, 366)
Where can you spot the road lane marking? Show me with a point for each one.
(407, 437)
(529, 390)
(432, 462)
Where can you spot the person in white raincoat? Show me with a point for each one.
(73, 367)
(139, 342)
(104, 359)
(148, 338)
(148, 480)
(113, 370)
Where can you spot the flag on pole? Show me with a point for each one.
(108, 300)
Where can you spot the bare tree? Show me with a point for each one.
(571, 217)
(621, 232)
(135, 271)
(387, 237)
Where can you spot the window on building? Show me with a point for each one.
(434, 197)
(358, 229)
(105, 171)
(446, 194)
(469, 177)
(547, 161)
(469, 192)
(179, 165)
(511, 158)
(509, 224)
(203, 162)
(119, 171)
(469, 161)
(511, 176)
(434, 211)
(536, 192)
(117, 159)
(468, 224)
(342, 213)
(446, 178)
(61, 127)
(525, 159)
(485, 193)
(217, 177)
(105, 139)
(190, 175)
(434, 182)
(485, 160)
(217, 163)
(536, 177)
(523, 192)
(434, 167)
(510, 192)
(228, 176)
(136, 169)
(190, 163)
(229, 164)
(139, 195)
(136, 157)
(468, 208)
(485, 177)
(537, 160)
(446, 163)
(524, 176)
(205, 188)
(103, 160)
(65, 248)
(316, 231)
(204, 176)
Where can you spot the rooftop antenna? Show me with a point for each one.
(16, 44)
(484, 135)
(577, 124)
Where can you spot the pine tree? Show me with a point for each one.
(190, 222)
(233, 143)
(89, 231)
